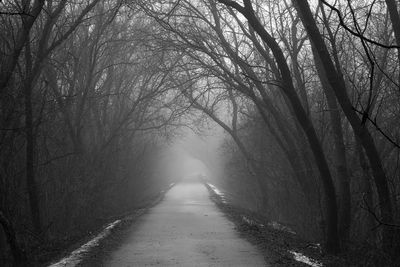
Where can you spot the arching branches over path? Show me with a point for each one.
(81, 113)
(288, 88)
(338, 85)
(269, 58)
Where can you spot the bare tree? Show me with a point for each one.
(332, 242)
(337, 83)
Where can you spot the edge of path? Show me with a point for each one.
(96, 254)
(281, 246)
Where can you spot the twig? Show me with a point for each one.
(380, 222)
(377, 127)
(341, 22)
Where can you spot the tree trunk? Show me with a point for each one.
(332, 240)
(19, 257)
(337, 83)
(366, 188)
(30, 145)
(290, 150)
(339, 152)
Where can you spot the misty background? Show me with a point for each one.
(290, 107)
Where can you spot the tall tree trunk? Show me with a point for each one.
(339, 152)
(332, 240)
(290, 150)
(30, 144)
(366, 188)
(19, 257)
(338, 85)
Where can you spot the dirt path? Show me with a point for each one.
(185, 229)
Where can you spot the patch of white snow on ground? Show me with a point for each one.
(169, 187)
(304, 259)
(218, 192)
(280, 227)
(251, 222)
(76, 256)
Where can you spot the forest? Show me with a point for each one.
(307, 94)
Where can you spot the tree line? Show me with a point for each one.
(307, 93)
(84, 108)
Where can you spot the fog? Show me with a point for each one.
(291, 109)
(192, 154)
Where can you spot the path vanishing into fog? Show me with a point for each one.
(185, 229)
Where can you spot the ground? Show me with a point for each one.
(185, 229)
(194, 225)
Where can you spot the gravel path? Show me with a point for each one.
(185, 229)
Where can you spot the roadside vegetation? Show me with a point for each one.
(307, 93)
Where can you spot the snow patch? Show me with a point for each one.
(280, 227)
(304, 259)
(215, 189)
(218, 192)
(169, 187)
(251, 222)
(76, 256)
